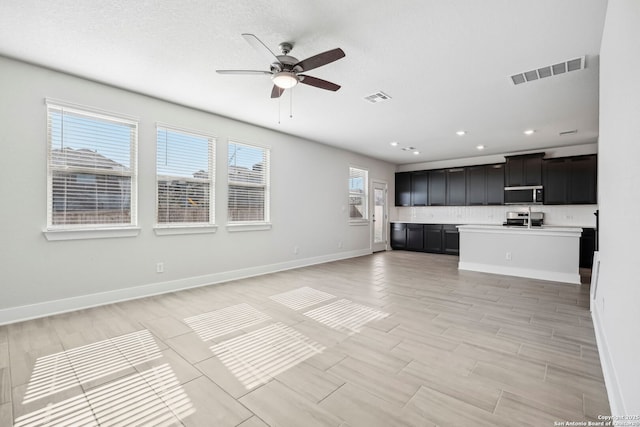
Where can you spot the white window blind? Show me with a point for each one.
(185, 177)
(91, 165)
(248, 175)
(358, 185)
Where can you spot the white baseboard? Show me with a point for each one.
(48, 308)
(614, 393)
(553, 276)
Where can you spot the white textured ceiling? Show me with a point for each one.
(446, 64)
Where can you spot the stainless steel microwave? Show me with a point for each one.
(523, 195)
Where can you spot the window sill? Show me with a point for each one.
(359, 222)
(173, 230)
(90, 233)
(257, 226)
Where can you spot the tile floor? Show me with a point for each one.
(392, 339)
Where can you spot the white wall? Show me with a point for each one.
(617, 306)
(308, 205)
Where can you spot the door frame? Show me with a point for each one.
(382, 246)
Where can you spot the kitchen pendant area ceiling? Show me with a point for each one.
(441, 65)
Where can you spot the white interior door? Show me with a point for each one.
(379, 217)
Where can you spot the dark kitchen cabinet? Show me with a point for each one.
(437, 188)
(398, 235)
(587, 247)
(476, 185)
(415, 237)
(403, 189)
(433, 238)
(456, 187)
(524, 170)
(570, 180)
(433, 241)
(451, 239)
(485, 185)
(556, 174)
(582, 188)
(495, 184)
(419, 188)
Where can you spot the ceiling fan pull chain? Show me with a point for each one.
(279, 103)
(291, 103)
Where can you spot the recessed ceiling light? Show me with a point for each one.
(529, 132)
(480, 147)
(416, 152)
(394, 144)
(461, 132)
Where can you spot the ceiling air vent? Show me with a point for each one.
(568, 132)
(377, 97)
(549, 70)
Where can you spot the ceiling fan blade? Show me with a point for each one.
(320, 59)
(314, 81)
(256, 72)
(276, 92)
(260, 47)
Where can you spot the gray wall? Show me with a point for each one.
(309, 205)
(617, 305)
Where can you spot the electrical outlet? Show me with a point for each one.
(507, 256)
(296, 250)
(160, 267)
(340, 244)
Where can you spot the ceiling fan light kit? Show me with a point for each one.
(285, 79)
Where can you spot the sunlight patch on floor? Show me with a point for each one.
(152, 397)
(256, 357)
(61, 371)
(345, 315)
(300, 298)
(225, 321)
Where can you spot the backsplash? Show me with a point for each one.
(566, 215)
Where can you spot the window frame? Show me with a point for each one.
(365, 196)
(91, 230)
(173, 228)
(251, 225)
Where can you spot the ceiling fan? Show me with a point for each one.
(286, 70)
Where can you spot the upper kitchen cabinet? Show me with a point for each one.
(485, 185)
(524, 170)
(583, 181)
(456, 187)
(495, 184)
(571, 180)
(477, 185)
(419, 188)
(555, 181)
(403, 189)
(437, 188)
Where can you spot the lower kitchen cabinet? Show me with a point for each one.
(451, 239)
(415, 237)
(398, 235)
(432, 238)
(587, 247)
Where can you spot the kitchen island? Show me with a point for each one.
(546, 252)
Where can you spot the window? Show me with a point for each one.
(185, 177)
(91, 169)
(358, 185)
(248, 172)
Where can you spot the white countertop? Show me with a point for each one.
(543, 230)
